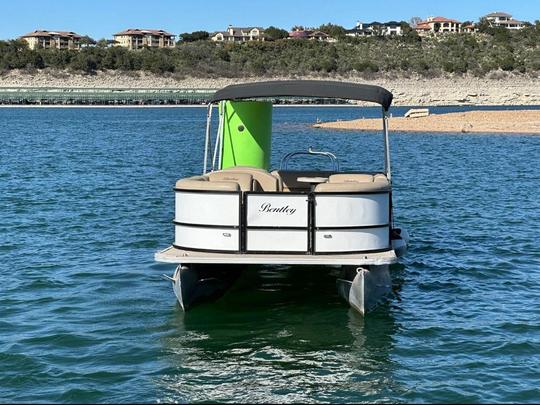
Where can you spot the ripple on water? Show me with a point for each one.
(86, 200)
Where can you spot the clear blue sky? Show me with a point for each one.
(102, 18)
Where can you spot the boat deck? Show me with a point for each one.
(177, 256)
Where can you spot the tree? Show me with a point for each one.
(335, 31)
(484, 26)
(409, 33)
(86, 41)
(413, 22)
(194, 36)
(272, 33)
(102, 43)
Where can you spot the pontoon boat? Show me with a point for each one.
(239, 212)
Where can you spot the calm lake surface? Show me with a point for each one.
(86, 199)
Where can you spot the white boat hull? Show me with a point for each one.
(363, 286)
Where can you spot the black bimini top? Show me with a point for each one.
(306, 88)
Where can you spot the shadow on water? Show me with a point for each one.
(281, 334)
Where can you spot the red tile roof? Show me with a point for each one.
(44, 33)
(138, 31)
(444, 19)
(424, 25)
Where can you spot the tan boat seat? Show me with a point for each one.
(244, 180)
(357, 177)
(202, 183)
(288, 179)
(266, 182)
(352, 187)
(348, 177)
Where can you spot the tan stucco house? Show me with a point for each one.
(239, 34)
(437, 25)
(52, 39)
(135, 38)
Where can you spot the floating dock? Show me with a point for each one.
(123, 96)
(102, 96)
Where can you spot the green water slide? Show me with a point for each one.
(247, 134)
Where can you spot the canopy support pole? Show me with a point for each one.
(220, 132)
(207, 140)
(387, 167)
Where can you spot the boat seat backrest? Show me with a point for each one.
(288, 179)
(357, 177)
(261, 178)
(244, 180)
(352, 187)
(349, 177)
(354, 182)
(203, 183)
(379, 177)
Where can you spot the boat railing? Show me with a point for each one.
(310, 152)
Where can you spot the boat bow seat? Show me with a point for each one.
(352, 187)
(266, 182)
(243, 180)
(351, 177)
(288, 179)
(354, 182)
(203, 183)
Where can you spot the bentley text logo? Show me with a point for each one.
(267, 207)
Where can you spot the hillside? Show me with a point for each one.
(473, 54)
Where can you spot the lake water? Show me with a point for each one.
(86, 199)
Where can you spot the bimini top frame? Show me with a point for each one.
(306, 88)
(302, 88)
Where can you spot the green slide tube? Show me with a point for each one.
(247, 134)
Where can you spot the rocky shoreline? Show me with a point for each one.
(497, 88)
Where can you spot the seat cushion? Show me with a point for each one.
(202, 183)
(289, 178)
(244, 180)
(348, 177)
(266, 182)
(352, 187)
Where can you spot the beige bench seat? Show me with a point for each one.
(203, 183)
(354, 182)
(244, 180)
(288, 179)
(352, 187)
(263, 181)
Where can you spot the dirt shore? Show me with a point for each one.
(520, 121)
(497, 88)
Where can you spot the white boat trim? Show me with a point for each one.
(180, 256)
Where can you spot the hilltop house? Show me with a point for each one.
(437, 25)
(135, 38)
(238, 34)
(504, 20)
(53, 39)
(469, 28)
(311, 35)
(390, 28)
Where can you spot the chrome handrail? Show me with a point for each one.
(285, 160)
